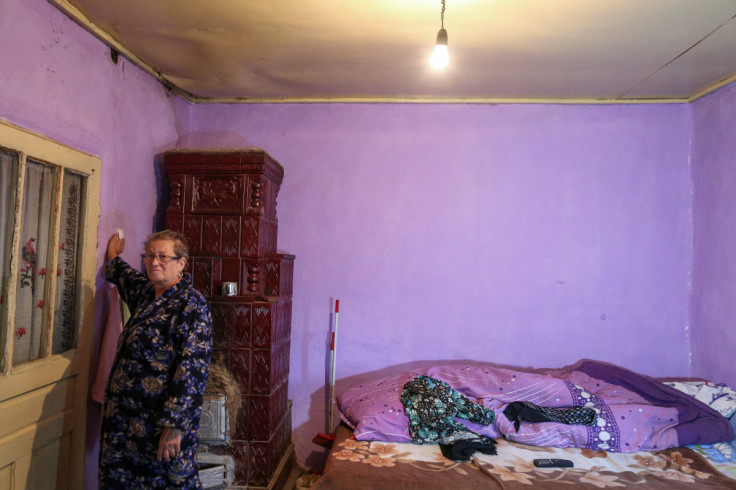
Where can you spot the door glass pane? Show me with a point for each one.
(38, 203)
(65, 316)
(8, 178)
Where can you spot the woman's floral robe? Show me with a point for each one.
(158, 379)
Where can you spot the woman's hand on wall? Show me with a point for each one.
(115, 246)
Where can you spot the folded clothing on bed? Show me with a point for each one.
(432, 407)
(519, 412)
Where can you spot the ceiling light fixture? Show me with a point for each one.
(440, 57)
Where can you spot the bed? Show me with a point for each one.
(646, 433)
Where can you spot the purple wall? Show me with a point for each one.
(530, 235)
(59, 81)
(714, 268)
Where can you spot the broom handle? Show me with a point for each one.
(333, 362)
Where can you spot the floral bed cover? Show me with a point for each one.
(368, 465)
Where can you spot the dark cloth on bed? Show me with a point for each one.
(461, 451)
(517, 412)
(431, 406)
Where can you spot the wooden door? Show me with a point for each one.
(49, 214)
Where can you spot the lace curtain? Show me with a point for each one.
(65, 316)
(39, 196)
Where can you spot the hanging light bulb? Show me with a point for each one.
(440, 57)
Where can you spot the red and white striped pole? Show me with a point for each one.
(333, 363)
(326, 440)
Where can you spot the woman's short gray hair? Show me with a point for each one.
(181, 247)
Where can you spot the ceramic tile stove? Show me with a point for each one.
(224, 202)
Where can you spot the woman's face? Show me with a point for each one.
(160, 272)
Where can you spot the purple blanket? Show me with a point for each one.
(635, 412)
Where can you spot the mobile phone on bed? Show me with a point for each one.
(553, 463)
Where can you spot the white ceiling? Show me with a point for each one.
(378, 50)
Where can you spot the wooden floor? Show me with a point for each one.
(296, 472)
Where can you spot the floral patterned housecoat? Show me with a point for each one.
(158, 379)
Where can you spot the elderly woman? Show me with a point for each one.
(153, 400)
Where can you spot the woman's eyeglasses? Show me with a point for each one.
(162, 259)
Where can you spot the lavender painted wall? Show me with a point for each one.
(58, 80)
(531, 235)
(714, 268)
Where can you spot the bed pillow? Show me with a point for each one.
(719, 397)
(375, 413)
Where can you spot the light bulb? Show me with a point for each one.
(439, 57)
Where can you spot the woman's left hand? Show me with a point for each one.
(170, 444)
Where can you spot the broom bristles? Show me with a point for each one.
(324, 440)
